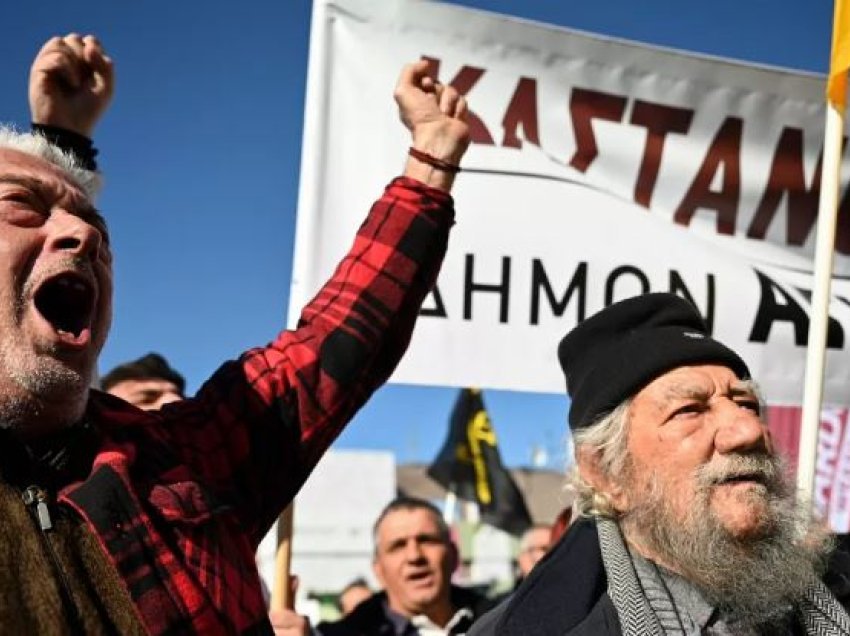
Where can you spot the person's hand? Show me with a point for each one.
(71, 83)
(288, 622)
(436, 117)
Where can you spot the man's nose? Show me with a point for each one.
(739, 429)
(71, 234)
(413, 551)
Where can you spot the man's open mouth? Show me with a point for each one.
(67, 302)
(421, 575)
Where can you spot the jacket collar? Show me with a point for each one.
(561, 590)
(375, 610)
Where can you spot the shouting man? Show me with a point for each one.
(689, 524)
(414, 561)
(118, 520)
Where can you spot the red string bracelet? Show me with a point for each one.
(439, 164)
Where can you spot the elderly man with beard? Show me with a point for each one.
(118, 520)
(689, 526)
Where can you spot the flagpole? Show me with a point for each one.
(824, 248)
(450, 505)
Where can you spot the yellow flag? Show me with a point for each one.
(836, 87)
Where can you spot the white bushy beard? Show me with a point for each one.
(755, 580)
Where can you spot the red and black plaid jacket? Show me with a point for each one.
(180, 498)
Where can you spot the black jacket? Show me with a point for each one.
(370, 619)
(565, 594)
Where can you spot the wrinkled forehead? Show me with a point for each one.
(49, 182)
(18, 164)
(699, 381)
(405, 522)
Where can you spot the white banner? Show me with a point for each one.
(599, 170)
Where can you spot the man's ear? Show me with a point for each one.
(590, 470)
(378, 570)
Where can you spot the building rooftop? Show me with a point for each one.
(543, 489)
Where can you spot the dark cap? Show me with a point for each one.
(613, 354)
(148, 367)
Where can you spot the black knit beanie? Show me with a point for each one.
(613, 354)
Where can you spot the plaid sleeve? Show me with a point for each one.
(260, 424)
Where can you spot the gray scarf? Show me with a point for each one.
(819, 612)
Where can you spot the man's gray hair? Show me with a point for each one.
(404, 502)
(607, 439)
(37, 146)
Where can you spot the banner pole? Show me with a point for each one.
(281, 597)
(818, 323)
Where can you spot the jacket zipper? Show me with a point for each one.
(36, 500)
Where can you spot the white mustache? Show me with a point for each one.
(761, 467)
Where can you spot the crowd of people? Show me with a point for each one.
(138, 509)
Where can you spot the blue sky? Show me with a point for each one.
(201, 153)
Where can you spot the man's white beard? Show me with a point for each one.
(753, 580)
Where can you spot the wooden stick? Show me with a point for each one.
(281, 596)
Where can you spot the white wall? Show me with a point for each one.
(334, 513)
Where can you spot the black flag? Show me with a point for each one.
(469, 464)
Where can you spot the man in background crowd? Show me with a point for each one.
(148, 382)
(533, 545)
(414, 561)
